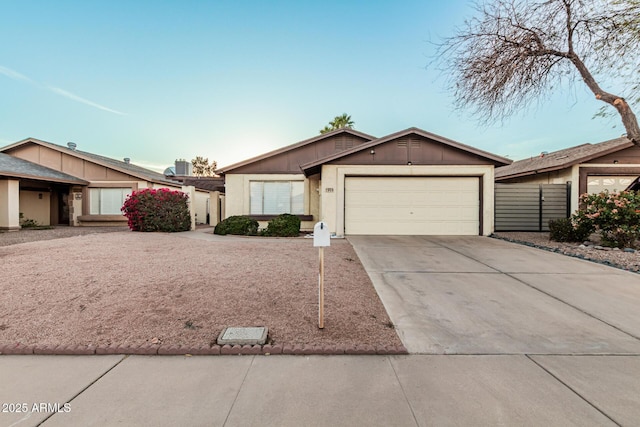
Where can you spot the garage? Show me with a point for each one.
(412, 205)
(411, 182)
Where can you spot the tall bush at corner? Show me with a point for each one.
(157, 210)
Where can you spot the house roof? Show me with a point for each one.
(121, 166)
(561, 159)
(19, 168)
(317, 138)
(204, 183)
(312, 167)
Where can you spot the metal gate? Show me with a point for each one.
(529, 207)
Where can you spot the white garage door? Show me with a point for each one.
(412, 205)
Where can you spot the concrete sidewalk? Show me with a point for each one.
(416, 390)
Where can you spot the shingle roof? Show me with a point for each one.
(119, 165)
(18, 168)
(561, 159)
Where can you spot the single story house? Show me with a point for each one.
(587, 168)
(58, 185)
(408, 182)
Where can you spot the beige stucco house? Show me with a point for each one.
(587, 168)
(409, 182)
(57, 185)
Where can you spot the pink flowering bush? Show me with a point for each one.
(616, 216)
(157, 210)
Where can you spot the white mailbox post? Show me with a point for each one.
(321, 239)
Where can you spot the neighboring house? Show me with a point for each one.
(214, 205)
(587, 168)
(409, 182)
(58, 185)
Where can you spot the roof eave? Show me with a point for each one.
(44, 178)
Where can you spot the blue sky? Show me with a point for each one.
(160, 80)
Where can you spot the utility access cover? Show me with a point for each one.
(243, 336)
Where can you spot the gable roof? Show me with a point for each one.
(313, 167)
(19, 168)
(291, 147)
(562, 158)
(118, 165)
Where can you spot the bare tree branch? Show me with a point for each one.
(516, 52)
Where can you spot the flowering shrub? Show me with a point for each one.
(616, 216)
(157, 210)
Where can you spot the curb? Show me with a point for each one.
(215, 350)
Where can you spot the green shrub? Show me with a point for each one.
(28, 223)
(566, 230)
(616, 216)
(157, 210)
(237, 224)
(284, 225)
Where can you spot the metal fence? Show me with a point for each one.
(529, 207)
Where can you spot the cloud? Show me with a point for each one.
(77, 98)
(12, 74)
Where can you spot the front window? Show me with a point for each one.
(277, 197)
(107, 201)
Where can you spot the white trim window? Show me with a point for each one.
(277, 197)
(107, 201)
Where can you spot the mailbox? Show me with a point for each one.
(321, 235)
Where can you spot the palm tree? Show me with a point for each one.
(339, 122)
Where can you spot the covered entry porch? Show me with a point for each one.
(29, 191)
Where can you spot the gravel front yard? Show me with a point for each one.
(617, 258)
(126, 288)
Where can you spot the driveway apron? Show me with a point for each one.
(477, 295)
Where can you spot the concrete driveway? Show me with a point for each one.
(477, 295)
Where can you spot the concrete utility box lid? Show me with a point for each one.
(321, 234)
(243, 336)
